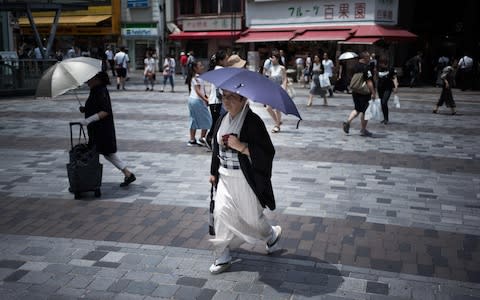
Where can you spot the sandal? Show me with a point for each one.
(275, 129)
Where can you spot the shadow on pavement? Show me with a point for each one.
(291, 274)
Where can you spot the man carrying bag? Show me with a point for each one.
(361, 96)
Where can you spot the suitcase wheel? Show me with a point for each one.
(77, 195)
(98, 193)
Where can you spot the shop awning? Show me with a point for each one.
(197, 35)
(322, 34)
(383, 32)
(66, 20)
(269, 35)
(360, 40)
(360, 34)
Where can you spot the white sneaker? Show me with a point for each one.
(273, 244)
(217, 268)
(202, 142)
(222, 263)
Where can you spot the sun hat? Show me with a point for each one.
(235, 61)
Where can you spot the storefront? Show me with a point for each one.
(307, 26)
(139, 38)
(90, 29)
(205, 35)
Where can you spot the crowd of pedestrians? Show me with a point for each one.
(241, 147)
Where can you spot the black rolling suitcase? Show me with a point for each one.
(84, 169)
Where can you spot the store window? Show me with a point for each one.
(228, 6)
(187, 7)
(208, 6)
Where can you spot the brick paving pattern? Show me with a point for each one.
(395, 216)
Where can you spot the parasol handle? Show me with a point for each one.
(298, 123)
(76, 96)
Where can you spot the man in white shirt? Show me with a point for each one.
(121, 63)
(465, 73)
(328, 70)
(300, 66)
(109, 55)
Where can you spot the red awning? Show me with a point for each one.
(322, 35)
(197, 35)
(252, 36)
(384, 32)
(360, 40)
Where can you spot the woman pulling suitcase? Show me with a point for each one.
(100, 126)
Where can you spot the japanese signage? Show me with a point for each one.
(332, 12)
(205, 24)
(138, 3)
(140, 30)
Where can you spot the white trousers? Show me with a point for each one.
(238, 215)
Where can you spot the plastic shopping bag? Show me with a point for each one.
(396, 101)
(374, 110)
(324, 81)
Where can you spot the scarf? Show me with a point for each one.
(233, 124)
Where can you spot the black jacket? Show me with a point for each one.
(258, 169)
(101, 133)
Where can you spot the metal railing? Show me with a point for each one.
(20, 77)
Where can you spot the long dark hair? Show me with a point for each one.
(190, 73)
(216, 58)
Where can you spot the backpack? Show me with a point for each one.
(358, 85)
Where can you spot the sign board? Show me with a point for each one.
(138, 3)
(207, 24)
(321, 12)
(140, 29)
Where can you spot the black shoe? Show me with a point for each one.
(346, 127)
(128, 180)
(118, 86)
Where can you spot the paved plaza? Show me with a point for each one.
(394, 216)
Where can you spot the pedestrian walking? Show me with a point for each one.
(241, 169)
(100, 126)
(277, 73)
(217, 61)
(360, 100)
(414, 66)
(168, 72)
(387, 84)
(465, 73)
(121, 62)
(328, 66)
(300, 65)
(316, 89)
(341, 84)
(446, 97)
(149, 71)
(183, 64)
(111, 63)
(200, 117)
(443, 61)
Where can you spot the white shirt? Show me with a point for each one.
(465, 62)
(109, 54)
(196, 81)
(149, 63)
(212, 98)
(328, 67)
(266, 67)
(121, 58)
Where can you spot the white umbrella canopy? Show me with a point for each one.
(67, 75)
(347, 55)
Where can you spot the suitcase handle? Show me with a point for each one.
(80, 133)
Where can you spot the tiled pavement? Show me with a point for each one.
(390, 217)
